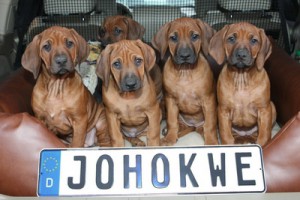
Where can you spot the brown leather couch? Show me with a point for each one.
(22, 137)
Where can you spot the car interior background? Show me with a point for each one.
(27, 18)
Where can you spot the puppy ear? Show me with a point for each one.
(135, 30)
(103, 65)
(216, 47)
(149, 54)
(265, 50)
(160, 40)
(206, 35)
(31, 59)
(82, 47)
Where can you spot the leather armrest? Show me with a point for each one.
(284, 74)
(22, 137)
(282, 160)
(15, 92)
(281, 157)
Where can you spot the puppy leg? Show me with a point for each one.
(114, 129)
(172, 123)
(154, 118)
(102, 132)
(265, 123)
(79, 133)
(225, 126)
(210, 124)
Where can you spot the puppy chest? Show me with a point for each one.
(131, 115)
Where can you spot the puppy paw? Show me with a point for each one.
(168, 141)
(136, 142)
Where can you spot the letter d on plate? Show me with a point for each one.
(49, 173)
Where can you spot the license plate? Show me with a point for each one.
(151, 171)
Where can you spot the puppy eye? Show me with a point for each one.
(231, 39)
(101, 32)
(47, 47)
(174, 38)
(253, 41)
(117, 65)
(138, 61)
(194, 37)
(117, 31)
(69, 44)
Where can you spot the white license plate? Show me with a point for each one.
(151, 171)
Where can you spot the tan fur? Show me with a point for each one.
(129, 112)
(59, 99)
(189, 87)
(245, 111)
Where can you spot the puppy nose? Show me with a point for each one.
(131, 82)
(61, 59)
(242, 53)
(185, 53)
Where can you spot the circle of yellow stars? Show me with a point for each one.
(50, 164)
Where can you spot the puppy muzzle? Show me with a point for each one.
(241, 58)
(130, 83)
(185, 56)
(61, 65)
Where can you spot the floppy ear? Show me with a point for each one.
(216, 47)
(135, 30)
(265, 50)
(103, 65)
(206, 35)
(160, 40)
(82, 47)
(31, 59)
(149, 55)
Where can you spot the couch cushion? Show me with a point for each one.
(282, 160)
(22, 138)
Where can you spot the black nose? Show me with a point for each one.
(242, 53)
(185, 53)
(61, 59)
(131, 82)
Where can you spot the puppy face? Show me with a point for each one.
(58, 52)
(116, 28)
(242, 45)
(126, 62)
(184, 38)
(59, 49)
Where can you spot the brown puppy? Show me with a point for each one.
(128, 91)
(187, 79)
(245, 111)
(59, 98)
(119, 27)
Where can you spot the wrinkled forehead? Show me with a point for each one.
(184, 26)
(56, 36)
(243, 30)
(125, 49)
(112, 21)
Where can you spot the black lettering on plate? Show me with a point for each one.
(216, 171)
(100, 184)
(80, 185)
(137, 169)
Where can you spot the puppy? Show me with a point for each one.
(187, 79)
(119, 27)
(245, 111)
(59, 98)
(129, 92)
